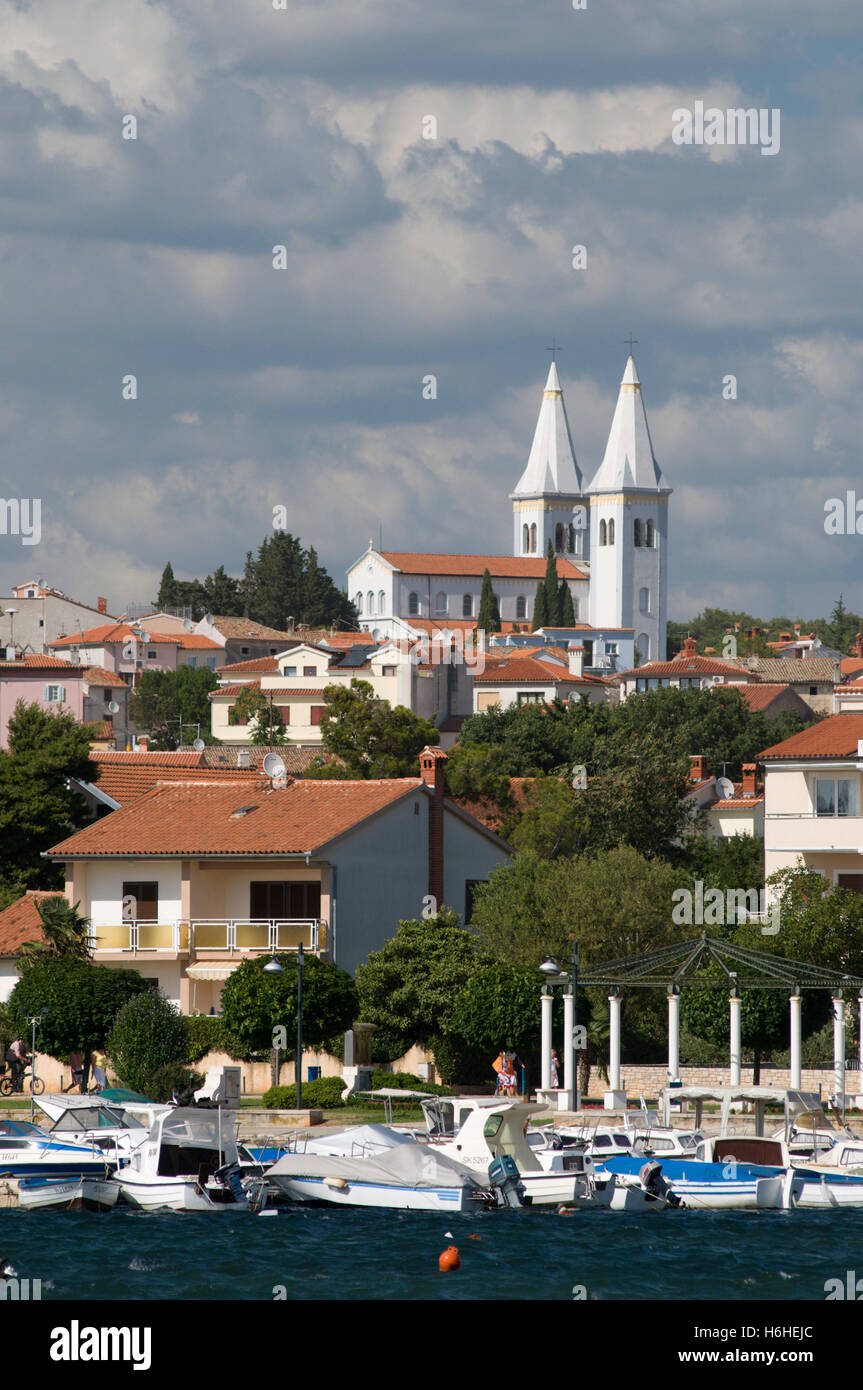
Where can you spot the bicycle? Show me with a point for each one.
(9, 1088)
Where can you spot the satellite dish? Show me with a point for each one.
(273, 765)
(199, 745)
(579, 778)
(113, 707)
(725, 787)
(188, 625)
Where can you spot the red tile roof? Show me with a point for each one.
(759, 695)
(97, 675)
(835, 737)
(204, 820)
(239, 668)
(114, 632)
(195, 641)
(233, 690)
(234, 628)
(474, 566)
(521, 670)
(689, 664)
(34, 661)
(20, 922)
(851, 667)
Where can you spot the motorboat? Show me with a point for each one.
(396, 1172)
(116, 1129)
(68, 1194)
(188, 1162)
(26, 1150)
(489, 1131)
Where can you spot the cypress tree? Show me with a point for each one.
(489, 612)
(565, 610)
(550, 582)
(540, 617)
(167, 589)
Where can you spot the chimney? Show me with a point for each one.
(102, 605)
(749, 779)
(432, 762)
(243, 758)
(697, 768)
(858, 645)
(689, 646)
(576, 661)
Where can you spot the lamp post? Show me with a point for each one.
(300, 1026)
(11, 614)
(275, 967)
(37, 1018)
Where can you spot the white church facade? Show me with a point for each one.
(609, 538)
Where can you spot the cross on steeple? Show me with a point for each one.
(554, 349)
(630, 341)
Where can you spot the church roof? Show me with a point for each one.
(551, 466)
(628, 461)
(474, 566)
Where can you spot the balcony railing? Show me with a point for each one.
(211, 934)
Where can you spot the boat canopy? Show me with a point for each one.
(794, 1103)
(405, 1165)
(187, 1128)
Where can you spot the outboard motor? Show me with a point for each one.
(505, 1181)
(656, 1186)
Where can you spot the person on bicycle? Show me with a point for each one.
(17, 1056)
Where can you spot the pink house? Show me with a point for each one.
(39, 680)
(126, 649)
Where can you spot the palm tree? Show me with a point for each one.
(65, 932)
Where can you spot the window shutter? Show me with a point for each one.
(317, 711)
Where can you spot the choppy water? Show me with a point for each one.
(317, 1254)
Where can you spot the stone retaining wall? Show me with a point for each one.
(649, 1081)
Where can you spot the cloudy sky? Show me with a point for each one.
(409, 256)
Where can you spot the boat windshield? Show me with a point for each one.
(17, 1128)
(94, 1117)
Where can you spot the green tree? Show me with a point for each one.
(82, 1002)
(164, 698)
(38, 805)
(407, 987)
(540, 611)
(222, 594)
(489, 612)
(550, 585)
(167, 596)
(266, 723)
(565, 610)
(255, 1003)
(148, 1034)
(65, 932)
(498, 1007)
(368, 736)
(477, 772)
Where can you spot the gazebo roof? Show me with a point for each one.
(740, 966)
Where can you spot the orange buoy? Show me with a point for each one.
(449, 1260)
(474, 1237)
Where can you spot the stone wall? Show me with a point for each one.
(649, 1081)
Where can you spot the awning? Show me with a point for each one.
(216, 971)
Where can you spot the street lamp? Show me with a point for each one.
(11, 612)
(275, 967)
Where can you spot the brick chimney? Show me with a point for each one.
(697, 768)
(102, 605)
(689, 646)
(749, 779)
(432, 762)
(576, 661)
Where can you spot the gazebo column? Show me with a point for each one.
(860, 1039)
(674, 1033)
(568, 1051)
(839, 1049)
(614, 1041)
(795, 1079)
(734, 1004)
(545, 1043)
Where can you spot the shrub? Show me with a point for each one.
(174, 1078)
(405, 1081)
(148, 1034)
(205, 1034)
(459, 1064)
(323, 1094)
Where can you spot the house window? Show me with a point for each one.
(315, 714)
(381, 601)
(603, 533)
(151, 656)
(639, 532)
(575, 609)
(211, 663)
(388, 670)
(54, 694)
(413, 604)
(835, 796)
(282, 901)
(289, 670)
(521, 606)
(470, 887)
(358, 604)
(244, 651)
(140, 902)
(640, 684)
(440, 603)
(611, 649)
(529, 697)
(467, 605)
(310, 670)
(192, 661)
(813, 690)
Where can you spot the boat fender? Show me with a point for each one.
(338, 1183)
(449, 1260)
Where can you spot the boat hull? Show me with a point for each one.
(369, 1194)
(174, 1194)
(76, 1194)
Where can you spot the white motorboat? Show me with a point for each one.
(491, 1131)
(69, 1194)
(115, 1129)
(27, 1151)
(403, 1174)
(188, 1162)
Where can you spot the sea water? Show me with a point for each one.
(320, 1254)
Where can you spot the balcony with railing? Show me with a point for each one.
(807, 831)
(220, 935)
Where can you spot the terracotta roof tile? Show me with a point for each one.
(97, 675)
(20, 922)
(473, 566)
(793, 670)
(245, 627)
(239, 668)
(114, 632)
(759, 695)
(689, 664)
(835, 737)
(216, 820)
(35, 661)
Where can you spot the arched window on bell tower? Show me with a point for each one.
(603, 533)
(639, 532)
(558, 538)
(611, 532)
(533, 538)
(525, 538)
(649, 535)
